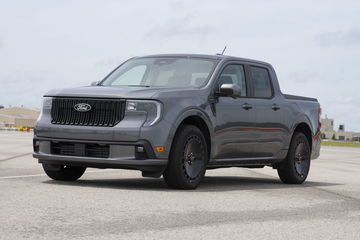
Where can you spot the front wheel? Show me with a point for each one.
(188, 159)
(296, 167)
(63, 173)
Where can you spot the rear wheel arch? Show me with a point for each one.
(306, 130)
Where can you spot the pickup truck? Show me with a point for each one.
(177, 116)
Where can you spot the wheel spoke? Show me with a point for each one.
(193, 157)
(301, 159)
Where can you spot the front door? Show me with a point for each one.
(234, 137)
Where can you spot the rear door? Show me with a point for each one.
(270, 129)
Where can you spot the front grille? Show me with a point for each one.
(80, 149)
(103, 112)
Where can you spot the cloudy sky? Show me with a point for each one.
(313, 45)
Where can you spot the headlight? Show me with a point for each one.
(46, 105)
(152, 109)
(47, 102)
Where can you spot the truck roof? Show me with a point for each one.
(205, 56)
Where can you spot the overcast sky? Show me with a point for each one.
(313, 45)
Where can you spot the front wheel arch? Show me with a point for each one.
(196, 118)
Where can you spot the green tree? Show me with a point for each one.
(323, 136)
(333, 137)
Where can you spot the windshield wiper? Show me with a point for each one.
(138, 85)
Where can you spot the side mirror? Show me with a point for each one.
(95, 83)
(230, 90)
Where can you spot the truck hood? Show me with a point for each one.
(118, 92)
(104, 92)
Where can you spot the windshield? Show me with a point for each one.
(162, 72)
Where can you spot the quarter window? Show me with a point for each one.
(261, 82)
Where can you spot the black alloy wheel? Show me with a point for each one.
(301, 159)
(295, 168)
(188, 159)
(193, 158)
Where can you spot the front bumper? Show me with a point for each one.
(123, 155)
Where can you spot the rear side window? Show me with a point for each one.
(261, 82)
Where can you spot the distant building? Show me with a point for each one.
(327, 124)
(356, 137)
(18, 116)
(328, 132)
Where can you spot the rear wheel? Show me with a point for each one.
(296, 167)
(63, 173)
(188, 159)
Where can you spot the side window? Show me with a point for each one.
(234, 74)
(261, 82)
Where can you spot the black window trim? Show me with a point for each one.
(248, 70)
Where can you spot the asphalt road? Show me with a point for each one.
(231, 203)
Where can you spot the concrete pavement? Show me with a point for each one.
(231, 203)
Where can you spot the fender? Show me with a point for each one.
(303, 119)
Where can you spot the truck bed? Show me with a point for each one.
(294, 97)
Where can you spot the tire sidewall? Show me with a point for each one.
(63, 173)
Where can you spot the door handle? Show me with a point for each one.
(246, 106)
(275, 107)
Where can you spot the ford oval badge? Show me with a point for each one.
(82, 107)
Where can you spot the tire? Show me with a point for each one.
(188, 159)
(296, 167)
(63, 173)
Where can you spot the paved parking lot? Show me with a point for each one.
(231, 203)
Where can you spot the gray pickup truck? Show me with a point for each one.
(176, 116)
